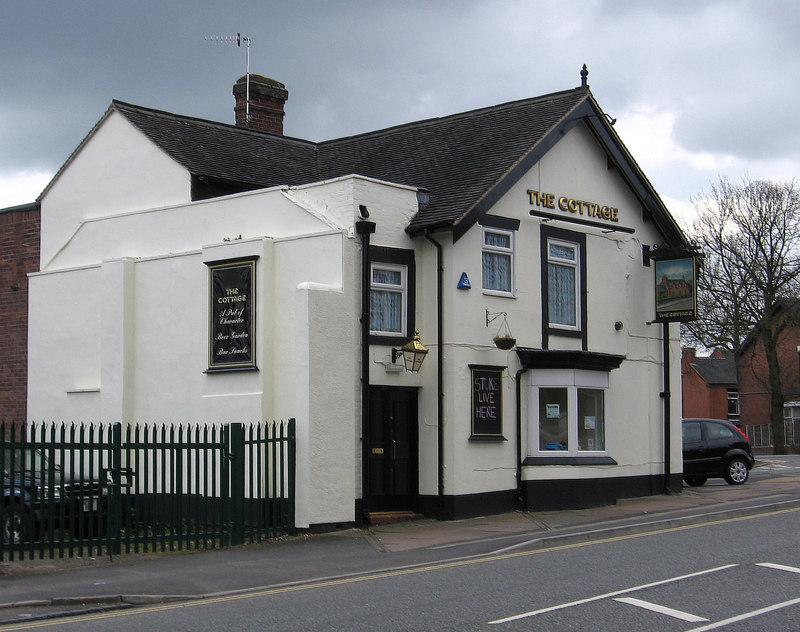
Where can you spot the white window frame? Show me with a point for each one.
(733, 399)
(401, 288)
(572, 380)
(567, 263)
(498, 250)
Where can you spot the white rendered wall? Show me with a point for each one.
(619, 287)
(131, 340)
(118, 169)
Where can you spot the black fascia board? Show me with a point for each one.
(516, 172)
(597, 123)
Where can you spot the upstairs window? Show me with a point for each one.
(392, 299)
(563, 284)
(388, 300)
(498, 261)
(733, 404)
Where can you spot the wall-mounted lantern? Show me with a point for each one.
(413, 354)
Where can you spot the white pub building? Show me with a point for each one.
(200, 272)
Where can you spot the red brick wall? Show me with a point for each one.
(753, 383)
(699, 398)
(19, 255)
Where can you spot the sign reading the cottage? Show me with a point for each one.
(487, 402)
(573, 206)
(231, 342)
(676, 299)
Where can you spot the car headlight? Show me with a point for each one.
(51, 492)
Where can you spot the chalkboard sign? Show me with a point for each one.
(487, 402)
(231, 342)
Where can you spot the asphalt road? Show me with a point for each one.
(680, 562)
(735, 573)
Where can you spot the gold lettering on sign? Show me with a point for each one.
(573, 206)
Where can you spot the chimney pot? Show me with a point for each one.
(267, 97)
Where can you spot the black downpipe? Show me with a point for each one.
(440, 371)
(667, 395)
(520, 493)
(365, 229)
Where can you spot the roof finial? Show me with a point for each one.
(584, 76)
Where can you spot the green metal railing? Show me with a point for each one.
(76, 490)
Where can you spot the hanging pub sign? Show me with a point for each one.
(676, 289)
(487, 403)
(231, 327)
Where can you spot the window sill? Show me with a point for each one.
(569, 460)
(498, 293)
(490, 438)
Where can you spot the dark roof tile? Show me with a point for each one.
(461, 159)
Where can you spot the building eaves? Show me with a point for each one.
(457, 158)
(465, 161)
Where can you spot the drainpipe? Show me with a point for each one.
(667, 412)
(520, 494)
(365, 229)
(440, 371)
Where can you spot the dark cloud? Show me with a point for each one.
(724, 69)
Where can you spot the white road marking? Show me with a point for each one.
(609, 595)
(746, 615)
(654, 607)
(779, 567)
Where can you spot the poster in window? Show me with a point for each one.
(231, 343)
(675, 291)
(487, 403)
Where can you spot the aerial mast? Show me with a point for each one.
(238, 38)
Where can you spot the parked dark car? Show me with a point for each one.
(36, 495)
(715, 448)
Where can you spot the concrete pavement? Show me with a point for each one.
(47, 588)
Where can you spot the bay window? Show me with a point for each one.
(567, 412)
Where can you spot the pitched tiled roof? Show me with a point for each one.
(465, 161)
(717, 370)
(226, 152)
(458, 158)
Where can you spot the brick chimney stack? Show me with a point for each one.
(267, 97)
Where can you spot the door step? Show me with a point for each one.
(388, 517)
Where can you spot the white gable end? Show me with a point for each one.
(118, 169)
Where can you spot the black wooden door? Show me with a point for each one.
(393, 469)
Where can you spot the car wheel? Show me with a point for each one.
(15, 524)
(695, 481)
(736, 471)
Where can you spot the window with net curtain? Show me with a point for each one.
(562, 284)
(497, 261)
(387, 299)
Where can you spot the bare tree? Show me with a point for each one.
(750, 235)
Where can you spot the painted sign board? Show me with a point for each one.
(487, 402)
(675, 289)
(231, 327)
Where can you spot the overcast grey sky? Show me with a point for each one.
(699, 88)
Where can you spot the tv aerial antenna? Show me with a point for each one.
(237, 39)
